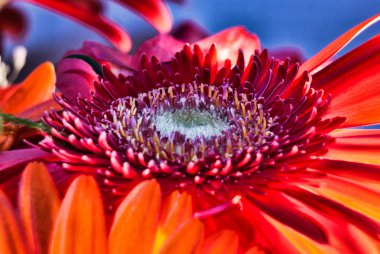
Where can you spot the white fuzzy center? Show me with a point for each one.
(191, 123)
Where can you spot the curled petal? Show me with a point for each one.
(154, 11)
(110, 30)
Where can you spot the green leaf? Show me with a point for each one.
(23, 121)
(89, 60)
(1, 125)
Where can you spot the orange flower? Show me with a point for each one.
(28, 99)
(142, 223)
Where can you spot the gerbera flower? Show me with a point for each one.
(142, 224)
(90, 13)
(261, 144)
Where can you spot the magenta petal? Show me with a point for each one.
(14, 158)
(74, 77)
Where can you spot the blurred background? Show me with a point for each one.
(306, 24)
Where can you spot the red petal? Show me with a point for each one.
(333, 48)
(356, 146)
(80, 225)
(354, 83)
(229, 41)
(154, 11)
(110, 30)
(349, 170)
(38, 205)
(136, 220)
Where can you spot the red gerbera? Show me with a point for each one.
(259, 143)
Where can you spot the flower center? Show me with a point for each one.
(190, 122)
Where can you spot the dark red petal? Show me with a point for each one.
(154, 11)
(110, 30)
(354, 83)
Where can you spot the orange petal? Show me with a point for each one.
(36, 88)
(224, 241)
(136, 219)
(333, 48)
(80, 224)
(356, 146)
(38, 204)
(354, 83)
(108, 29)
(154, 11)
(35, 113)
(186, 239)
(354, 196)
(229, 41)
(176, 210)
(11, 237)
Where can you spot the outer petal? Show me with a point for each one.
(136, 219)
(110, 30)
(356, 146)
(154, 11)
(38, 205)
(229, 41)
(36, 88)
(80, 225)
(329, 51)
(11, 238)
(224, 241)
(354, 83)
